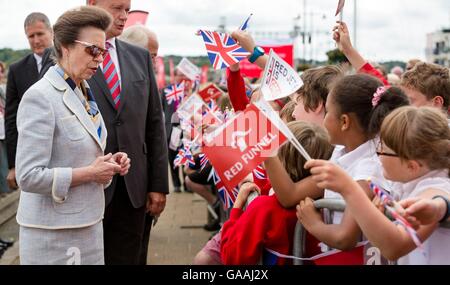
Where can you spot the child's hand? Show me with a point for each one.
(244, 192)
(244, 39)
(420, 211)
(235, 67)
(378, 204)
(308, 215)
(341, 36)
(328, 175)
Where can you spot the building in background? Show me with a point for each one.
(438, 47)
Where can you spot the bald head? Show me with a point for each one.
(143, 37)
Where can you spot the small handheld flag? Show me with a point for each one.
(174, 93)
(340, 9)
(244, 26)
(222, 50)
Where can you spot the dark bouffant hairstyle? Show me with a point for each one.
(355, 94)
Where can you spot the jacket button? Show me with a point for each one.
(118, 123)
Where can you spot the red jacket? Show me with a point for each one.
(264, 225)
(369, 69)
(236, 91)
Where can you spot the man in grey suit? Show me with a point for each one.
(127, 96)
(21, 76)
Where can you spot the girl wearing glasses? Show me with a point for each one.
(416, 155)
(61, 167)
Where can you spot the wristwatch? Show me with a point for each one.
(447, 215)
(257, 52)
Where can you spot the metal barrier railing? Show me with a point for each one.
(330, 205)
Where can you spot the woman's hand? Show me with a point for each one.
(123, 161)
(328, 175)
(103, 170)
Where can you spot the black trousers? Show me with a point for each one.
(126, 230)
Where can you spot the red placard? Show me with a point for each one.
(210, 92)
(136, 17)
(241, 145)
(286, 52)
(161, 72)
(204, 75)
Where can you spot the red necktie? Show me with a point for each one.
(111, 76)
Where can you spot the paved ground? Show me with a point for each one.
(179, 234)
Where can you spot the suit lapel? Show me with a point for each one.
(125, 80)
(73, 103)
(100, 80)
(32, 70)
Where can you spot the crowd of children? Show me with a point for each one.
(363, 135)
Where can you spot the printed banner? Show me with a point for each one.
(161, 72)
(189, 69)
(285, 51)
(210, 92)
(241, 144)
(190, 107)
(279, 80)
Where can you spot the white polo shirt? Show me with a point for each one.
(436, 249)
(361, 164)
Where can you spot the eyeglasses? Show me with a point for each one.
(92, 49)
(380, 151)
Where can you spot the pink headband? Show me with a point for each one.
(377, 96)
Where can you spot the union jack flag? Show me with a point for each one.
(203, 161)
(226, 196)
(222, 50)
(174, 93)
(244, 26)
(382, 194)
(390, 203)
(184, 157)
(260, 173)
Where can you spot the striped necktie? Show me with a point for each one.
(111, 76)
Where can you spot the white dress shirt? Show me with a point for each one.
(38, 62)
(361, 164)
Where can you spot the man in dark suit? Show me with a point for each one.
(127, 96)
(21, 76)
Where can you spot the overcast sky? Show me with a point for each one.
(387, 29)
